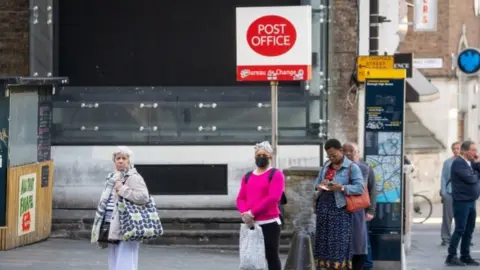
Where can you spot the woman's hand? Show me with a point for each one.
(323, 185)
(247, 218)
(335, 187)
(118, 185)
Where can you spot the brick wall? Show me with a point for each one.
(14, 38)
(441, 44)
(343, 52)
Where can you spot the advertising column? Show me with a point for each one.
(383, 151)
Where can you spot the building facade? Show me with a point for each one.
(446, 112)
(161, 79)
(163, 83)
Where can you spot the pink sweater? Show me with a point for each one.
(261, 197)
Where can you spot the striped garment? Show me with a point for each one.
(109, 209)
(102, 205)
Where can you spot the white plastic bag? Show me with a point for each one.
(252, 248)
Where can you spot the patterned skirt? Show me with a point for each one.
(333, 241)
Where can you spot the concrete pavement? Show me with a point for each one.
(59, 254)
(426, 252)
(56, 254)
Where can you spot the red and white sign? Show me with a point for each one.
(274, 43)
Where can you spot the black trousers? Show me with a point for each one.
(358, 261)
(271, 236)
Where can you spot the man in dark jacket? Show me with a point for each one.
(465, 183)
(361, 240)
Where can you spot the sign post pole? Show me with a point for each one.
(274, 102)
(274, 44)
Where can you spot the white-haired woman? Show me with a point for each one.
(127, 183)
(258, 201)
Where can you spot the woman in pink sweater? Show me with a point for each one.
(258, 201)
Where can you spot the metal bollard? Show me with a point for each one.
(300, 255)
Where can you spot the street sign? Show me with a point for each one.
(365, 63)
(403, 61)
(274, 43)
(468, 61)
(385, 73)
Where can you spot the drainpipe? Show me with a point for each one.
(373, 44)
(374, 23)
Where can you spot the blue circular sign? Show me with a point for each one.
(468, 61)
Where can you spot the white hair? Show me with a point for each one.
(124, 151)
(265, 145)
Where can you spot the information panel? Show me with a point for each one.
(384, 123)
(383, 151)
(44, 133)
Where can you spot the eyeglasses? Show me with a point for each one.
(334, 155)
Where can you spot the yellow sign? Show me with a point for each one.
(372, 62)
(385, 73)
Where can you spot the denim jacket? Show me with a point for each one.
(356, 186)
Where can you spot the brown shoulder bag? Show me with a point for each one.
(357, 202)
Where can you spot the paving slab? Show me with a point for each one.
(427, 253)
(58, 254)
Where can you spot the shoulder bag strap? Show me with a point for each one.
(350, 174)
(247, 176)
(272, 173)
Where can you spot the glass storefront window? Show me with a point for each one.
(157, 72)
(149, 116)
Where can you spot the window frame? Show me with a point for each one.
(190, 94)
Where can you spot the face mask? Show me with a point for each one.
(261, 162)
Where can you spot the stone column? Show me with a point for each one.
(299, 213)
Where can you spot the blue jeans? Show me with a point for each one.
(368, 259)
(465, 214)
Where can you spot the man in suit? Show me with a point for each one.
(464, 177)
(446, 193)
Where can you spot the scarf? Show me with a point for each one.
(102, 204)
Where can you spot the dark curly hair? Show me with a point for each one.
(333, 143)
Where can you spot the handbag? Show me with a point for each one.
(252, 248)
(356, 202)
(139, 221)
(104, 232)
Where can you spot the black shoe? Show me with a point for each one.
(454, 261)
(444, 243)
(471, 244)
(469, 261)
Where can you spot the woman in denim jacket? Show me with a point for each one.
(338, 177)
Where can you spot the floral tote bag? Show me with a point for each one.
(139, 222)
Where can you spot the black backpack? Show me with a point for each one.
(283, 200)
